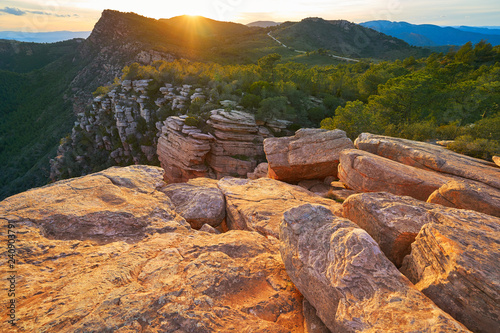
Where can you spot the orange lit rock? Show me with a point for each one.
(258, 205)
(366, 172)
(455, 262)
(341, 271)
(468, 195)
(309, 154)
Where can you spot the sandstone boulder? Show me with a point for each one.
(430, 157)
(176, 280)
(455, 262)
(312, 323)
(366, 172)
(197, 204)
(341, 271)
(392, 221)
(496, 160)
(468, 195)
(258, 205)
(309, 154)
(117, 203)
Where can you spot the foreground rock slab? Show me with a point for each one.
(365, 172)
(309, 154)
(455, 261)
(468, 195)
(430, 157)
(175, 280)
(341, 271)
(114, 204)
(258, 205)
(197, 204)
(392, 221)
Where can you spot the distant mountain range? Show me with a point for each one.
(43, 37)
(433, 35)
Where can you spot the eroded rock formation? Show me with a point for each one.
(455, 262)
(365, 172)
(259, 204)
(106, 252)
(234, 149)
(309, 154)
(341, 271)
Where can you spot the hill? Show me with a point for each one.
(344, 38)
(430, 35)
(263, 24)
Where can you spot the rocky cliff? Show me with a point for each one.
(121, 250)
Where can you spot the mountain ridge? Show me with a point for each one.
(429, 34)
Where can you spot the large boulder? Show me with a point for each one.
(258, 205)
(114, 204)
(392, 221)
(199, 205)
(430, 157)
(365, 172)
(455, 262)
(341, 271)
(175, 280)
(309, 154)
(468, 195)
(496, 160)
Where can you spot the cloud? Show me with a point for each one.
(13, 11)
(19, 12)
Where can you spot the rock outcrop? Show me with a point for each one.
(199, 205)
(258, 205)
(468, 195)
(454, 261)
(309, 154)
(114, 204)
(341, 271)
(430, 157)
(234, 149)
(259, 172)
(365, 172)
(88, 261)
(392, 221)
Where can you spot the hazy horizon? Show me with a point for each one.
(36, 16)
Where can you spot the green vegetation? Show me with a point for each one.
(445, 96)
(34, 117)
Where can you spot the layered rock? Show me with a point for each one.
(454, 261)
(468, 195)
(392, 221)
(341, 271)
(182, 153)
(309, 154)
(366, 172)
(430, 157)
(234, 149)
(258, 205)
(177, 279)
(199, 205)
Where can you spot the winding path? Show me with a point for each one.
(299, 51)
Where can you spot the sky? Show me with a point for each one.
(81, 15)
